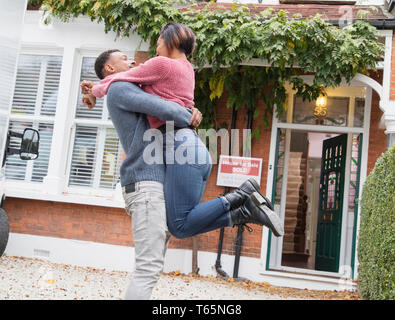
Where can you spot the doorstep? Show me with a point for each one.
(308, 279)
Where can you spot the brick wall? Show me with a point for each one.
(113, 226)
(377, 137)
(66, 220)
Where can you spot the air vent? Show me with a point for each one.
(40, 253)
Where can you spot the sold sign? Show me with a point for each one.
(233, 171)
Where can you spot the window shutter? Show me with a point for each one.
(97, 153)
(112, 160)
(26, 86)
(40, 165)
(88, 73)
(37, 83)
(35, 95)
(84, 157)
(96, 158)
(34, 170)
(51, 85)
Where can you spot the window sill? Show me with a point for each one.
(37, 191)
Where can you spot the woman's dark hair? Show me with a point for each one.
(101, 61)
(178, 36)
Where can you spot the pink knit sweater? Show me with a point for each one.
(169, 79)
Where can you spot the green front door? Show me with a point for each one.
(330, 203)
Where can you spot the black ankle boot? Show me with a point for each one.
(255, 210)
(237, 197)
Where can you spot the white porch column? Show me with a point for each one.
(55, 180)
(386, 105)
(389, 121)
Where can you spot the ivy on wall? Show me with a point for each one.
(227, 38)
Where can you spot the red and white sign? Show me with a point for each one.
(233, 171)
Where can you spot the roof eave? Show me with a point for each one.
(387, 24)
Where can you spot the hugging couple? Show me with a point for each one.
(164, 199)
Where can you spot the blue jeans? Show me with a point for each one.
(188, 166)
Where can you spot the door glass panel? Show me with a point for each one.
(331, 191)
(359, 112)
(280, 166)
(337, 111)
(343, 106)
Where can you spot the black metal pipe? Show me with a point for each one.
(240, 229)
(218, 266)
(238, 244)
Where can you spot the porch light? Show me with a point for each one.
(320, 109)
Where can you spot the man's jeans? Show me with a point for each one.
(146, 206)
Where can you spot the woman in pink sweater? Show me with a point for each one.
(170, 76)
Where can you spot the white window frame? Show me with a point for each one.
(35, 119)
(81, 37)
(56, 188)
(87, 122)
(99, 123)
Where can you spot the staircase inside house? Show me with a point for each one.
(293, 254)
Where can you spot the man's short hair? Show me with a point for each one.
(101, 60)
(178, 36)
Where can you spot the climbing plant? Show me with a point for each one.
(227, 38)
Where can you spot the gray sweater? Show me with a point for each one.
(127, 105)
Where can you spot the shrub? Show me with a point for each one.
(376, 245)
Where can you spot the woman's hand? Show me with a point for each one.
(86, 87)
(89, 100)
(196, 117)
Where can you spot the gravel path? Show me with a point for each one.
(25, 279)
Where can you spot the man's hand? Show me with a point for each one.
(89, 100)
(86, 86)
(196, 117)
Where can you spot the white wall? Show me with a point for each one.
(79, 33)
(121, 258)
(72, 40)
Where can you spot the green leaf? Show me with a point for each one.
(229, 37)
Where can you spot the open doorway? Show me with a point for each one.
(314, 176)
